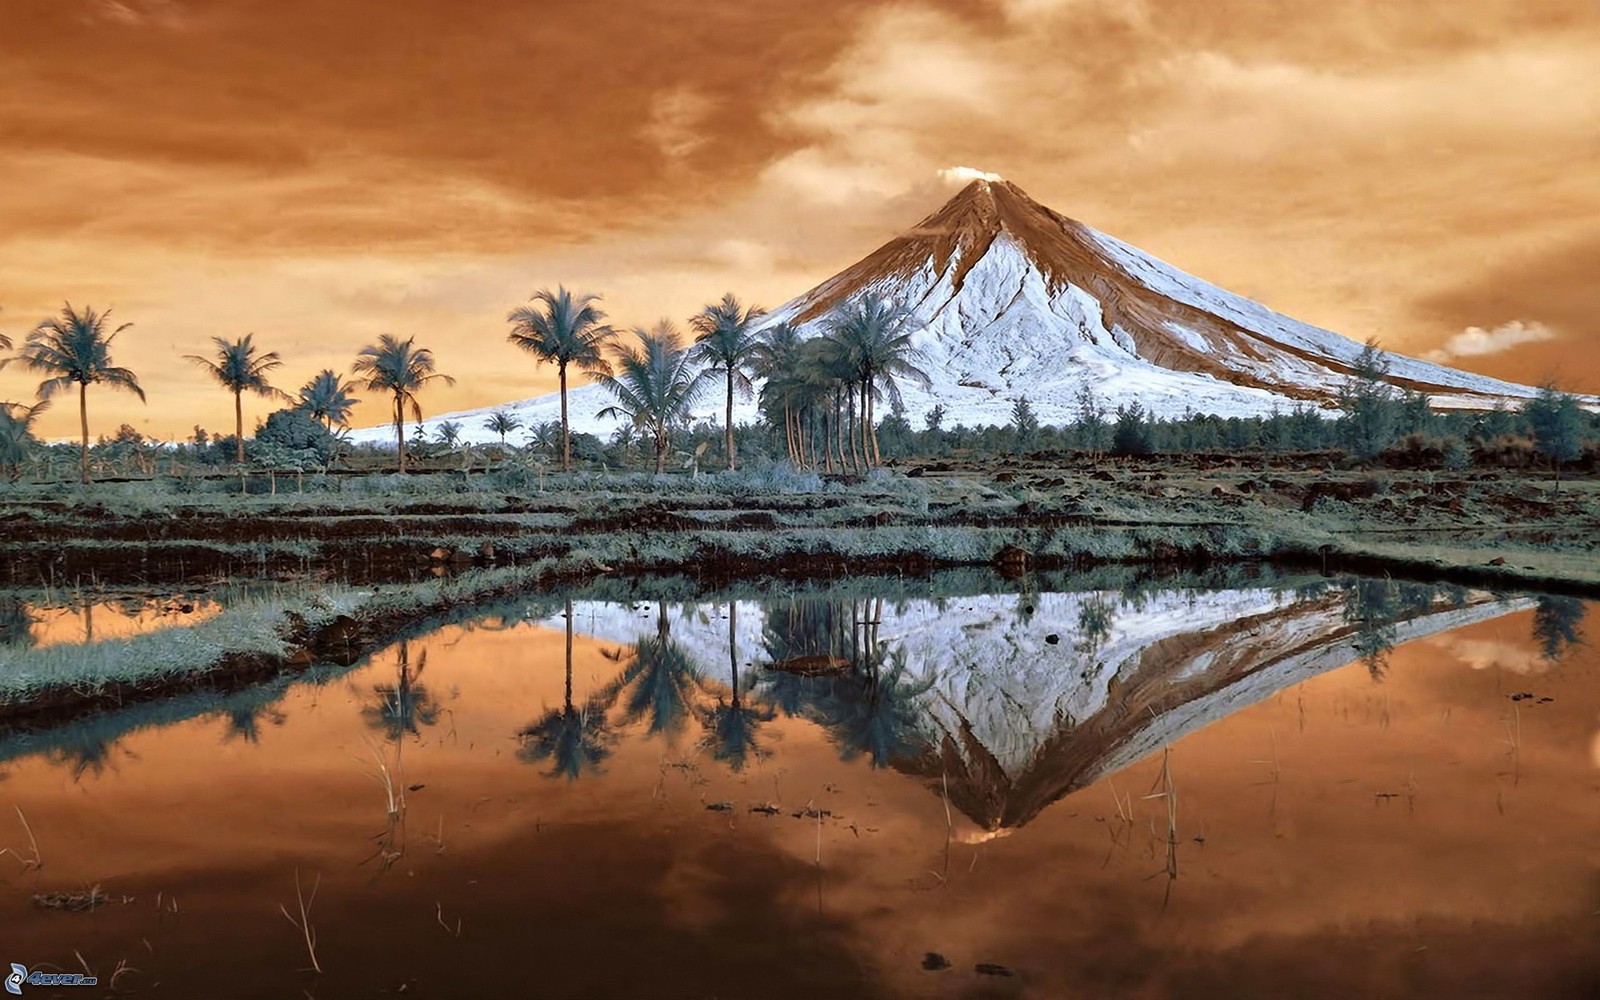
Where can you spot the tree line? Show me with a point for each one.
(818, 405)
(655, 381)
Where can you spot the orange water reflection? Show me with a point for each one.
(49, 623)
(1422, 834)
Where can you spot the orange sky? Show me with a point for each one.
(318, 173)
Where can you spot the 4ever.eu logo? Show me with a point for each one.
(20, 976)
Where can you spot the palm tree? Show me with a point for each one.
(501, 422)
(774, 361)
(655, 387)
(728, 343)
(75, 348)
(572, 739)
(401, 368)
(874, 333)
(16, 435)
(566, 329)
(327, 397)
(238, 368)
(732, 726)
(449, 432)
(662, 682)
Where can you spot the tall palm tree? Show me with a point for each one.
(728, 343)
(875, 334)
(775, 362)
(573, 739)
(655, 386)
(327, 397)
(501, 422)
(238, 369)
(400, 368)
(565, 329)
(75, 348)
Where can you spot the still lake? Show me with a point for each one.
(957, 787)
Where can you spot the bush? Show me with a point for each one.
(294, 431)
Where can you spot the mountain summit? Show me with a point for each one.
(1018, 301)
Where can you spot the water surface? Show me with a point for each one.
(1290, 787)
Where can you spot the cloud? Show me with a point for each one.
(963, 175)
(1492, 654)
(1475, 340)
(309, 171)
(137, 13)
(675, 118)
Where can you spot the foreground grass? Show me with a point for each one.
(1500, 529)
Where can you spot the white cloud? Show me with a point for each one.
(963, 175)
(1492, 654)
(1475, 340)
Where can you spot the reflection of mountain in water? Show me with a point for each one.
(1016, 700)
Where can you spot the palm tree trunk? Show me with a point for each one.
(661, 452)
(827, 441)
(733, 649)
(872, 432)
(866, 423)
(837, 444)
(238, 426)
(728, 431)
(83, 416)
(400, 431)
(569, 654)
(566, 440)
(788, 434)
(850, 411)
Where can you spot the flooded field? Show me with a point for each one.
(965, 787)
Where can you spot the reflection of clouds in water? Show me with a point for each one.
(1482, 654)
(976, 836)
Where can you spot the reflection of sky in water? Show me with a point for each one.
(1333, 830)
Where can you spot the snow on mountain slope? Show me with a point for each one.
(1014, 720)
(1015, 300)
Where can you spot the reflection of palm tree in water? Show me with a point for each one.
(245, 722)
(872, 710)
(733, 726)
(1556, 624)
(660, 684)
(1095, 616)
(16, 622)
(405, 706)
(573, 739)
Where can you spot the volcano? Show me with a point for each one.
(1017, 301)
(1021, 302)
